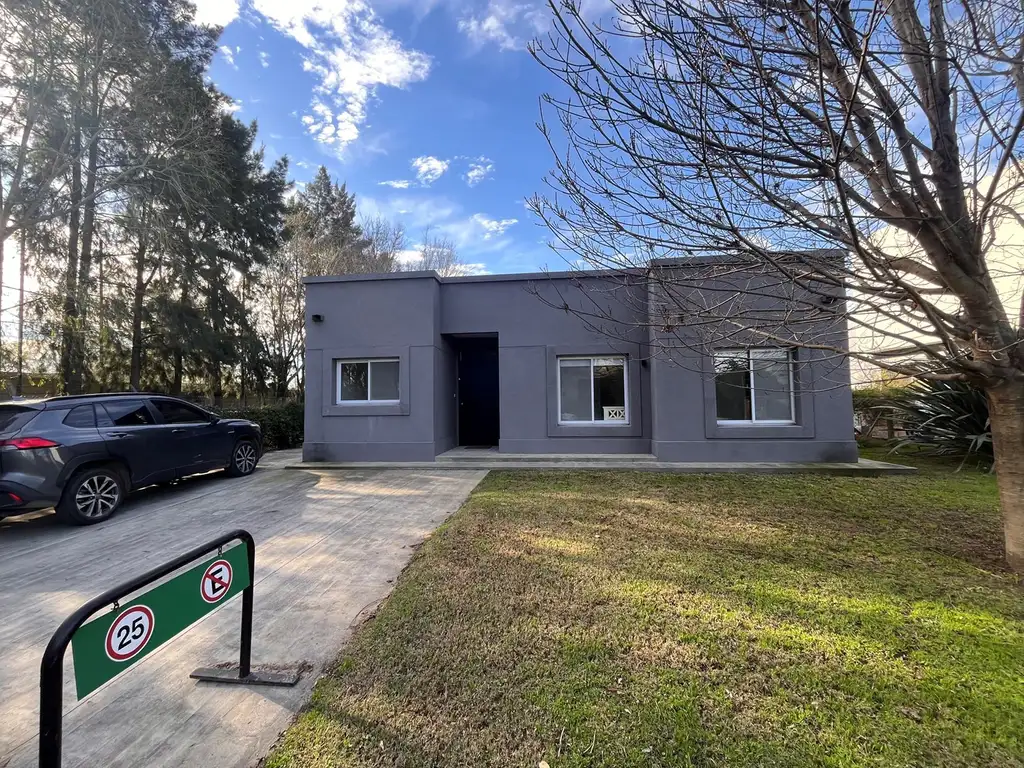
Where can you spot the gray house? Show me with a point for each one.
(403, 367)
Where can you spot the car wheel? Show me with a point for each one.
(243, 458)
(91, 496)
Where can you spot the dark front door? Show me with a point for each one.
(478, 392)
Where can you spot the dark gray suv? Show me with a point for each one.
(84, 454)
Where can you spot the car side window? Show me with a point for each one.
(128, 413)
(174, 412)
(81, 417)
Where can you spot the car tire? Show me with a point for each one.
(91, 496)
(244, 457)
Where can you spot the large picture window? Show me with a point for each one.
(754, 385)
(367, 381)
(592, 390)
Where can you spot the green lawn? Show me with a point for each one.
(628, 619)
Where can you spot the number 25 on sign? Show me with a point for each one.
(129, 633)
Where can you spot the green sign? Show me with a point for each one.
(109, 644)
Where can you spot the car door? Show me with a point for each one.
(191, 433)
(131, 434)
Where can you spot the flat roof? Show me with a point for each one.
(575, 274)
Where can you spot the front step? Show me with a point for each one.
(457, 456)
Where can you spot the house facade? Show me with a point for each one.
(406, 366)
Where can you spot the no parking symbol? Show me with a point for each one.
(216, 581)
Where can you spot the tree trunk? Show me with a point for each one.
(140, 289)
(85, 257)
(215, 306)
(69, 376)
(21, 315)
(179, 353)
(1006, 412)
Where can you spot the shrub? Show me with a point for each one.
(281, 422)
(950, 418)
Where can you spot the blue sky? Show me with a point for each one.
(427, 109)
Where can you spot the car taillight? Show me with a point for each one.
(26, 443)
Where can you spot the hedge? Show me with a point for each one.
(281, 423)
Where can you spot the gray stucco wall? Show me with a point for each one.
(419, 319)
(532, 332)
(372, 319)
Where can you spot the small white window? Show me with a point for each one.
(368, 381)
(754, 386)
(592, 390)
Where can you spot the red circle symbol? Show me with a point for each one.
(129, 633)
(216, 581)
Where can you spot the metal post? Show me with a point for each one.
(51, 701)
(245, 645)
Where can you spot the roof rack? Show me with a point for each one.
(63, 398)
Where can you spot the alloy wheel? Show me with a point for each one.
(98, 496)
(245, 458)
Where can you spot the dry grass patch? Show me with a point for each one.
(620, 619)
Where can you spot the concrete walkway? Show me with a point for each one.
(329, 546)
(463, 458)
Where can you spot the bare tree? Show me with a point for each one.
(385, 242)
(780, 132)
(438, 253)
(279, 316)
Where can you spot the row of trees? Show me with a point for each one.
(161, 245)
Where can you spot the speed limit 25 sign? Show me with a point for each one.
(129, 633)
(111, 643)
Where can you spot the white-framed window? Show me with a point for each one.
(754, 386)
(593, 390)
(367, 381)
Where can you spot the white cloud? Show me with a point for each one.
(229, 55)
(479, 170)
(396, 183)
(414, 211)
(217, 13)
(408, 256)
(509, 25)
(234, 106)
(474, 235)
(264, 59)
(351, 53)
(429, 169)
(492, 227)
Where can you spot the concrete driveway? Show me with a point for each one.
(329, 546)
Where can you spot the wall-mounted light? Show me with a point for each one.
(318, 318)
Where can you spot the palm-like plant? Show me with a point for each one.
(950, 418)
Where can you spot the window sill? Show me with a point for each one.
(364, 408)
(753, 430)
(762, 423)
(593, 424)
